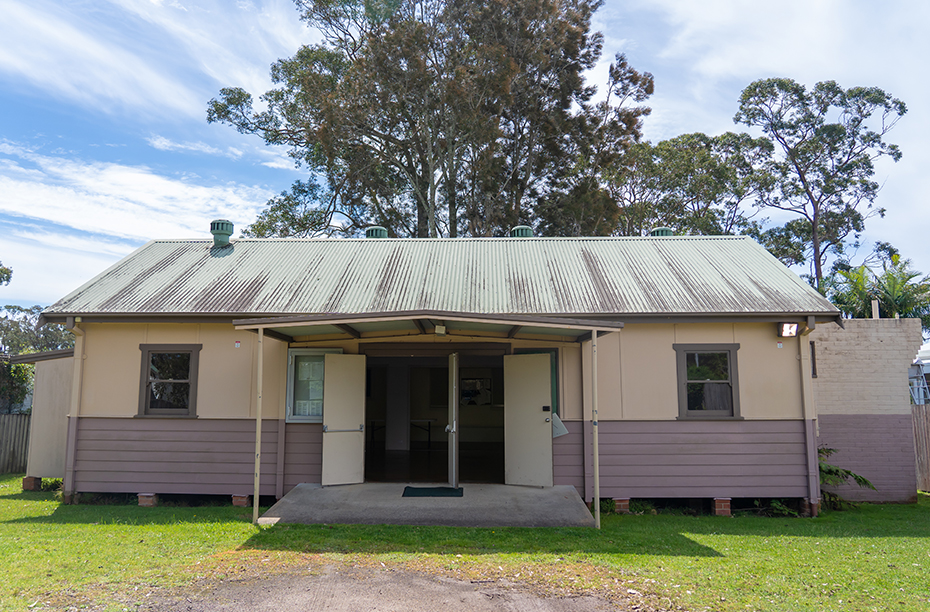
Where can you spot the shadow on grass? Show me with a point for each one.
(124, 514)
(667, 535)
(412, 539)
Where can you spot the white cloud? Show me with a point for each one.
(119, 200)
(160, 58)
(164, 144)
(704, 53)
(68, 56)
(64, 220)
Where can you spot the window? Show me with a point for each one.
(169, 380)
(708, 385)
(305, 377)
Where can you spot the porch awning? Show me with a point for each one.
(308, 328)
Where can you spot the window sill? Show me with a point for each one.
(164, 416)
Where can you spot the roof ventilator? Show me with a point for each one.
(376, 231)
(521, 231)
(661, 231)
(221, 229)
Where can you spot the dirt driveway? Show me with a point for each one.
(349, 589)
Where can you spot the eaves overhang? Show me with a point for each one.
(427, 322)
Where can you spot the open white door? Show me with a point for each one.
(344, 419)
(527, 420)
(453, 427)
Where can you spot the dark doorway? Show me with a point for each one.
(407, 404)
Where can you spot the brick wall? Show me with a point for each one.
(863, 403)
(863, 369)
(877, 446)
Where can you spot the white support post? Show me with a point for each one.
(258, 423)
(597, 469)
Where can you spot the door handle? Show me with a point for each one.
(548, 419)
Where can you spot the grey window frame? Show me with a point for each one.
(681, 352)
(144, 380)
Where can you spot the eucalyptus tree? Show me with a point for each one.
(826, 142)
(693, 183)
(427, 116)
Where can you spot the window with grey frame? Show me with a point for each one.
(169, 379)
(708, 381)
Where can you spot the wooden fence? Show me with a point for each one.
(922, 444)
(14, 442)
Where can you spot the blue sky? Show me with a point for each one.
(104, 142)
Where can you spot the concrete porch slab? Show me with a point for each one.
(481, 505)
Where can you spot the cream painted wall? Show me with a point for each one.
(48, 430)
(112, 367)
(226, 378)
(769, 377)
(638, 379)
(571, 388)
(637, 373)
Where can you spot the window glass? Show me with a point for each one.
(169, 381)
(169, 366)
(708, 366)
(308, 385)
(704, 392)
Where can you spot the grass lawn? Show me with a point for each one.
(871, 558)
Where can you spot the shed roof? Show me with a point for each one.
(580, 277)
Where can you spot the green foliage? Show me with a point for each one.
(15, 384)
(443, 118)
(774, 508)
(51, 485)
(833, 476)
(21, 332)
(693, 183)
(642, 506)
(5, 274)
(826, 142)
(900, 290)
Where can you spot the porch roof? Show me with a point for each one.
(426, 322)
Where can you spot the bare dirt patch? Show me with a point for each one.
(352, 589)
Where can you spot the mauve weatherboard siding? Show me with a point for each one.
(303, 454)
(667, 459)
(200, 456)
(568, 457)
(877, 446)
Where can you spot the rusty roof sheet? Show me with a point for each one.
(538, 276)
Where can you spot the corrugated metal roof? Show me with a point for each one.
(540, 276)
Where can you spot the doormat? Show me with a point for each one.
(432, 492)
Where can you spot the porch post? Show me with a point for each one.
(597, 469)
(260, 367)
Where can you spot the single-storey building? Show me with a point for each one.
(655, 367)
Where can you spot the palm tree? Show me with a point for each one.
(900, 291)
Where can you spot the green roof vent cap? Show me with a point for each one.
(521, 231)
(661, 231)
(221, 229)
(375, 231)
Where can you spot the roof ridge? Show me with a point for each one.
(461, 239)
